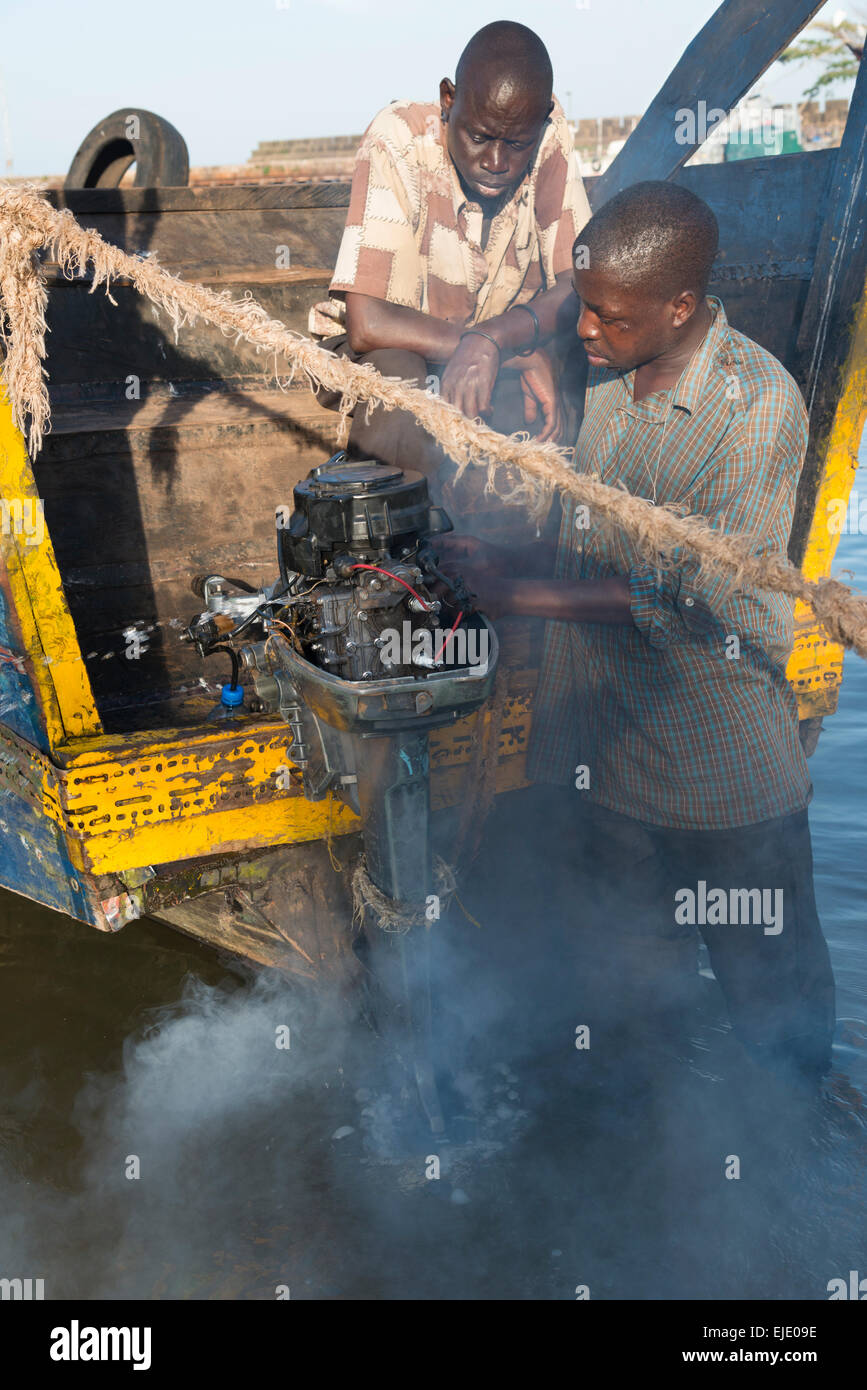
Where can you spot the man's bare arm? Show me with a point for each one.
(374, 323)
(560, 600)
(565, 600)
(477, 360)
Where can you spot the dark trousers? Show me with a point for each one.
(646, 889)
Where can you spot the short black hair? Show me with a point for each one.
(505, 50)
(654, 236)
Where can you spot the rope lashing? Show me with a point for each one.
(391, 914)
(28, 224)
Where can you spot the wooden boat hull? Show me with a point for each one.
(167, 459)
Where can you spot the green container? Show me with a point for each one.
(786, 142)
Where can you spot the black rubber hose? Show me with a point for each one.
(236, 665)
(281, 561)
(251, 617)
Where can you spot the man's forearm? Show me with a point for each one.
(557, 312)
(374, 323)
(565, 600)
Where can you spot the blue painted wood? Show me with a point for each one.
(738, 43)
(33, 854)
(19, 708)
(841, 255)
(34, 861)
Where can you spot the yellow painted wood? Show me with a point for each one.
(191, 741)
(58, 670)
(138, 790)
(129, 802)
(816, 665)
(291, 820)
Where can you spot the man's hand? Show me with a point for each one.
(456, 552)
(484, 569)
(540, 394)
(487, 589)
(469, 377)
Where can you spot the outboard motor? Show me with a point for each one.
(363, 647)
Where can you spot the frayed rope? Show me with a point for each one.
(28, 224)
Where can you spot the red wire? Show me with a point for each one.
(449, 635)
(388, 574)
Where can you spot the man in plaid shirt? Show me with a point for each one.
(663, 700)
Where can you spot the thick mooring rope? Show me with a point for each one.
(28, 224)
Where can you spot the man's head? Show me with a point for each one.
(496, 107)
(642, 265)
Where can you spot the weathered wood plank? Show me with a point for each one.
(234, 198)
(94, 341)
(189, 410)
(245, 238)
(770, 213)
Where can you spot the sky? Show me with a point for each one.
(229, 73)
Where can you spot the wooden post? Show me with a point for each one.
(738, 43)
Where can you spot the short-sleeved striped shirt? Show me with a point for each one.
(684, 718)
(413, 238)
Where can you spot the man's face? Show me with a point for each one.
(492, 134)
(624, 328)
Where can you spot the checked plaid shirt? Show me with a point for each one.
(685, 719)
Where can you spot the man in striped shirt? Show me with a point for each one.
(456, 260)
(663, 700)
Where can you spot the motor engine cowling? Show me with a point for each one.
(363, 510)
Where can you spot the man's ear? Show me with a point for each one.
(447, 97)
(684, 308)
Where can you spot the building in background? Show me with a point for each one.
(757, 128)
(754, 128)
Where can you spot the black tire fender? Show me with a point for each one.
(131, 136)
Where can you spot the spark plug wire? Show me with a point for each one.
(448, 637)
(388, 574)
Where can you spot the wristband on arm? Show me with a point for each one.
(527, 352)
(479, 333)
